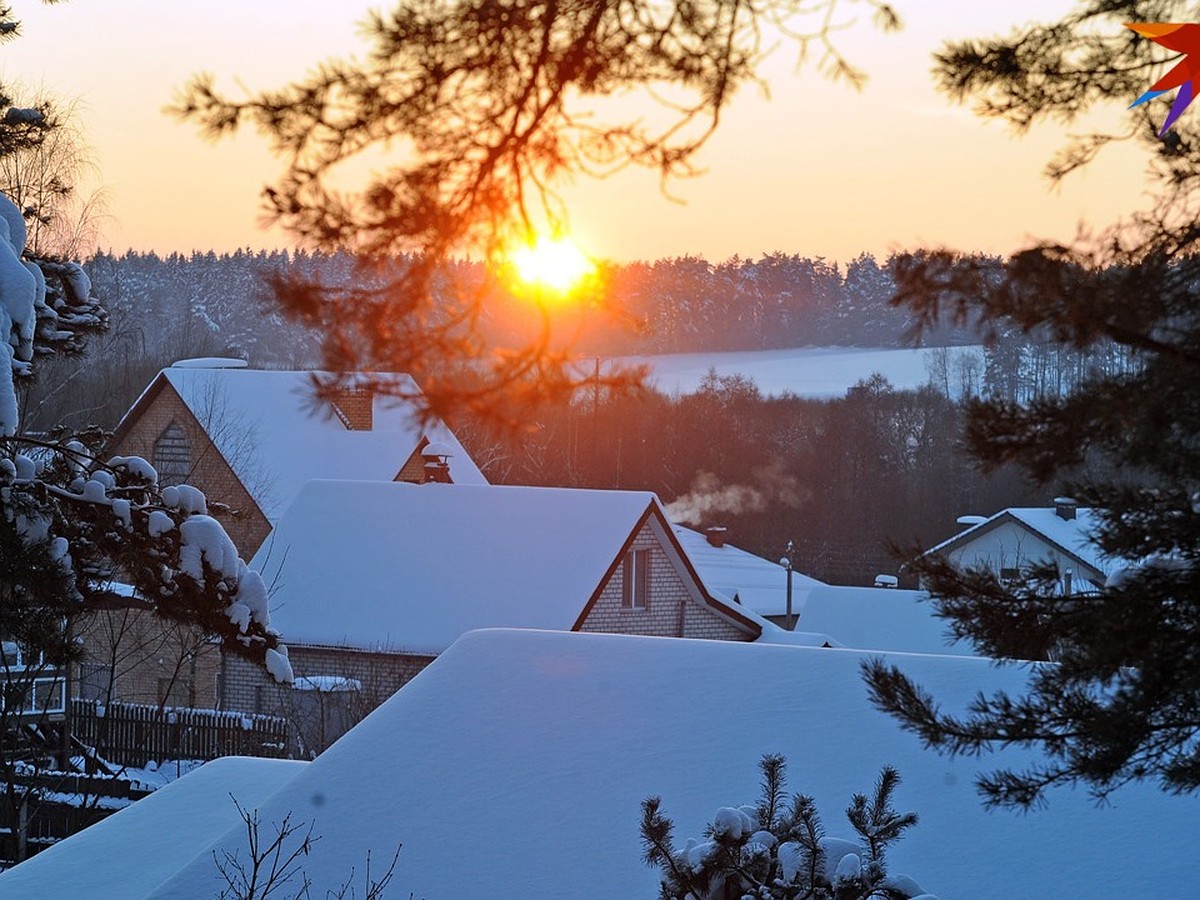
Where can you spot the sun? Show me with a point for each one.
(554, 263)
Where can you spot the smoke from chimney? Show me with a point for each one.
(708, 498)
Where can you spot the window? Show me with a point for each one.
(27, 683)
(16, 658)
(635, 583)
(172, 456)
(33, 696)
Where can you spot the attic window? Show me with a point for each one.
(172, 456)
(635, 580)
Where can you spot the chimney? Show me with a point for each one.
(716, 535)
(353, 407)
(1065, 507)
(437, 462)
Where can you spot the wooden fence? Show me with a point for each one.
(132, 734)
(61, 803)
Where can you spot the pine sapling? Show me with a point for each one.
(777, 850)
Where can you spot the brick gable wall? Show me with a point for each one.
(354, 407)
(210, 472)
(413, 470)
(145, 660)
(674, 608)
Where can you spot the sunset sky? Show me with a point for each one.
(817, 169)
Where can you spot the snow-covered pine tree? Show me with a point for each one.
(778, 849)
(79, 531)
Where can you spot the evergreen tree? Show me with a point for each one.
(1121, 700)
(78, 529)
(778, 850)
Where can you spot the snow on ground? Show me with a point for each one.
(130, 853)
(804, 371)
(514, 766)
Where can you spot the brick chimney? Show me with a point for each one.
(437, 462)
(1065, 507)
(716, 535)
(353, 407)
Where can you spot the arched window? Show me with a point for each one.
(172, 456)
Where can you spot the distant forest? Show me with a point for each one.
(839, 478)
(172, 307)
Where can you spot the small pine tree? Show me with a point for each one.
(777, 850)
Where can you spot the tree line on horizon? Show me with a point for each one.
(841, 479)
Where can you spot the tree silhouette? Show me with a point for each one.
(484, 109)
(1121, 700)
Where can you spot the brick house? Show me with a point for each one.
(249, 439)
(372, 580)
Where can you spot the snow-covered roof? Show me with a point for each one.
(266, 426)
(403, 566)
(870, 618)
(1072, 535)
(516, 764)
(757, 583)
(132, 852)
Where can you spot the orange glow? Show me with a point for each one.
(554, 263)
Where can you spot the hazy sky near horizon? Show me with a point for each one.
(816, 168)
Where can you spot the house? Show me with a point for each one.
(1016, 537)
(516, 765)
(372, 580)
(250, 439)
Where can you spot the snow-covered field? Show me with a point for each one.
(805, 371)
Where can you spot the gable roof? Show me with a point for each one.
(1072, 537)
(546, 744)
(401, 566)
(757, 584)
(266, 425)
(161, 833)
